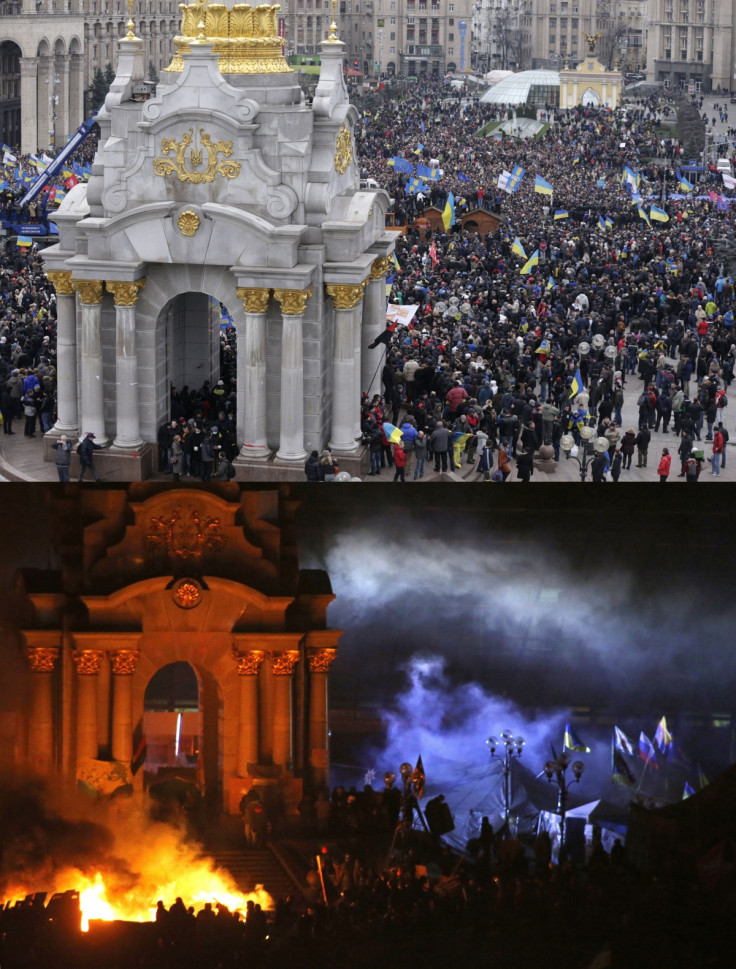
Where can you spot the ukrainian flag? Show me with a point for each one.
(561, 214)
(600, 183)
(550, 283)
(576, 387)
(575, 160)
(24, 241)
(609, 222)
(448, 213)
(602, 222)
(659, 215)
(572, 742)
(643, 215)
(685, 185)
(517, 248)
(517, 174)
(530, 263)
(542, 186)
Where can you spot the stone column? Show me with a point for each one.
(28, 105)
(251, 373)
(319, 756)
(282, 667)
(291, 434)
(347, 300)
(66, 354)
(127, 418)
(374, 323)
(41, 737)
(76, 90)
(358, 357)
(249, 665)
(92, 417)
(61, 70)
(87, 663)
(123, 666)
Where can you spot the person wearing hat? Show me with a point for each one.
(63, 448)
(311, 467)
(86, 450)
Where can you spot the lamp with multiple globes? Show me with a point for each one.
(511, 747)
(588, 449)
(556, 771)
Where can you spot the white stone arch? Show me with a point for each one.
(590, 97)
(60, 47)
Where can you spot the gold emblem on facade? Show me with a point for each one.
(178, 165)
(188, 222)
(293, 301)
(249, 663)
(187, 594)
(345, 296)
(344, 150)
(184, 536)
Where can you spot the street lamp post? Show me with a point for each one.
(413, 779)
(589, 449)
(52, 80)
(512, 747)
(556, 771)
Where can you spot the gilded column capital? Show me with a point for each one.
(293, 301)
(87, 662)
(125, 293)
(283, 663)
(42, 659)
(254, 300)
(62, 280)
(380, 267)
(124, 661)
(320, 660)
(90, 290)
(249, 663)
(345, 296)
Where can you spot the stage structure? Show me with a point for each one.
(153, 577)
(221, 187)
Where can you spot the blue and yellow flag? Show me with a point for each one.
(659, 215)
(530, 263)
(24, 241)
(401, 165)
(643, 215)
(573, 742)
(448, 213)
(600, 183)
(561, 214)
(517, 248)
(542, 186)
(424, 171)
(576, 387)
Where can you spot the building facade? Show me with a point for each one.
(691, 44)
(386, 37)
(149, 578)
(525, 34)
(49, 52)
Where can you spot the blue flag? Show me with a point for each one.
(401, 165)
(424, 171)
(462, 177)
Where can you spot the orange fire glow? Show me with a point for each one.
(159, 866)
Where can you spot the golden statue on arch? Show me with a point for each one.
(592, 40)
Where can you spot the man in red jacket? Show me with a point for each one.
(664, 465)
(400, 462)
(717, 452)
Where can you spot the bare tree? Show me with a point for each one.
(507, 36)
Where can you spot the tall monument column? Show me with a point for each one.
(87, 663)
(66, 354)
(123, 666)
(291, 437)
(92, 416)
(41, 735)
(374, 323)
(127, 422)
(29, 140)
(319, 756)
(282, 667)
(348, 301)
(249, 665)
(251, 373)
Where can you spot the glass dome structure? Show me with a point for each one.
(526, 87)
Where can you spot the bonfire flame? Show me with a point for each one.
(159, 866)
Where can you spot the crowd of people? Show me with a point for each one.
(637, 306)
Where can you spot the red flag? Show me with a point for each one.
(71, 181)
(433, 254)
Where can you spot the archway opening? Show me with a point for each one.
(173, 725)
(202, 350)
(10, 93)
